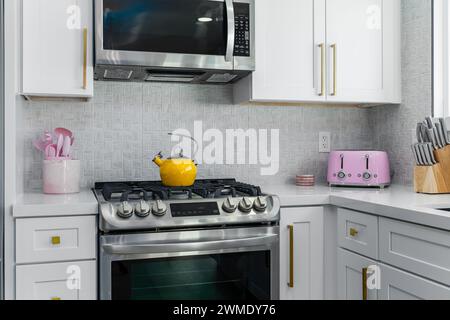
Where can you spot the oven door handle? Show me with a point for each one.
(231, 30)
(166, 247)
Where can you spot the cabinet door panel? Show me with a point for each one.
(400, 285)
(53, 48)
(307, 226)
(363, 63)
(288, 59)
(350, 276)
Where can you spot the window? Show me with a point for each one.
(441, 58)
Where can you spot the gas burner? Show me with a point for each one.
(147, 205)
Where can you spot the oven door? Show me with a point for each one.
(220, 264)
(198, 34)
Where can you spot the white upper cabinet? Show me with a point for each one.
(363, 50)
(57, 52)
(289, 63)
(340, 51)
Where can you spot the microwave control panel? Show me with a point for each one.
(242, 29)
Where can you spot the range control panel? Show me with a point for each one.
(242, 29)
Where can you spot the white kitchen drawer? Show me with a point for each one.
(57, 281)
(418, 249)
(55, 239)
(400, 285)
(358, 232)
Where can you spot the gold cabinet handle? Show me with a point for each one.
(334, 48)
(85, 44)
(55, 298)
(353, 232)
(322, 69)
(364, 284)
(56, 240)
(291, 256)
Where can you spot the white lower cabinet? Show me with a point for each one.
(351, 276)
(57, 281)
(301, 254)
(400, 285)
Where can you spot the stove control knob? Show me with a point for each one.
(229, 206)
(159, 208)
(142, 209)
(125, 210)
(260, 204)
(245, 205)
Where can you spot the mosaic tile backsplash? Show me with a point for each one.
(126, 124)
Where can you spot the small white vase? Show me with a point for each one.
(61, 176)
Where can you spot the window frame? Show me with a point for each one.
(441, 58)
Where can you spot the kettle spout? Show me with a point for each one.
(158, 160)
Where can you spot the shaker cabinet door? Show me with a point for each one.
(301, 254)
(363, 50)
(57, 48)
(290, 51)
(352, 274)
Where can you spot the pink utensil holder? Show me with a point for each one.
(61, 176)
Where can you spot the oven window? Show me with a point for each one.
(234, 276)
(169, 26)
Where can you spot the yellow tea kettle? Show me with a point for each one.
(178, 171)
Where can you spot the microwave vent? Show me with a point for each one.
(117, 74)
(221, 78)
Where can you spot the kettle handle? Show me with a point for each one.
(189, 137)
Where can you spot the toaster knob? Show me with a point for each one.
(341, 175)
(367, 176)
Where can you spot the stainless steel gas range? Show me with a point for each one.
(216, 240)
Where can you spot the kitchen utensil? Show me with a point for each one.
(438, 139)
(416, 156)
(50, 151)
(65, 133)
(441, 134)
(425, 154)
(429, 122)
(66, 147)
(419, 154)
(444, 130)
(432, 138)
(431, 152)
(59, 145)
(176, 172)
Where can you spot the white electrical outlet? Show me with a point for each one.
(324, 142)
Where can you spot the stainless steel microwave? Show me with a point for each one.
(194, 41)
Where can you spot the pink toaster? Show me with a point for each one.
(359, 168)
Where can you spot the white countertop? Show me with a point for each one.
(397, 202)
(37, 204)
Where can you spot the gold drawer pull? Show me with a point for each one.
(291, 256)
(353, 232)
(85, 45)
(56, 240)
(364, 284)
(55, 298)
(322, 69)
(334, 48)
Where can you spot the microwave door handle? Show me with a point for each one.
(161, 247)
(231, 30)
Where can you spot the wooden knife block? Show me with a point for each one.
(434, 179)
